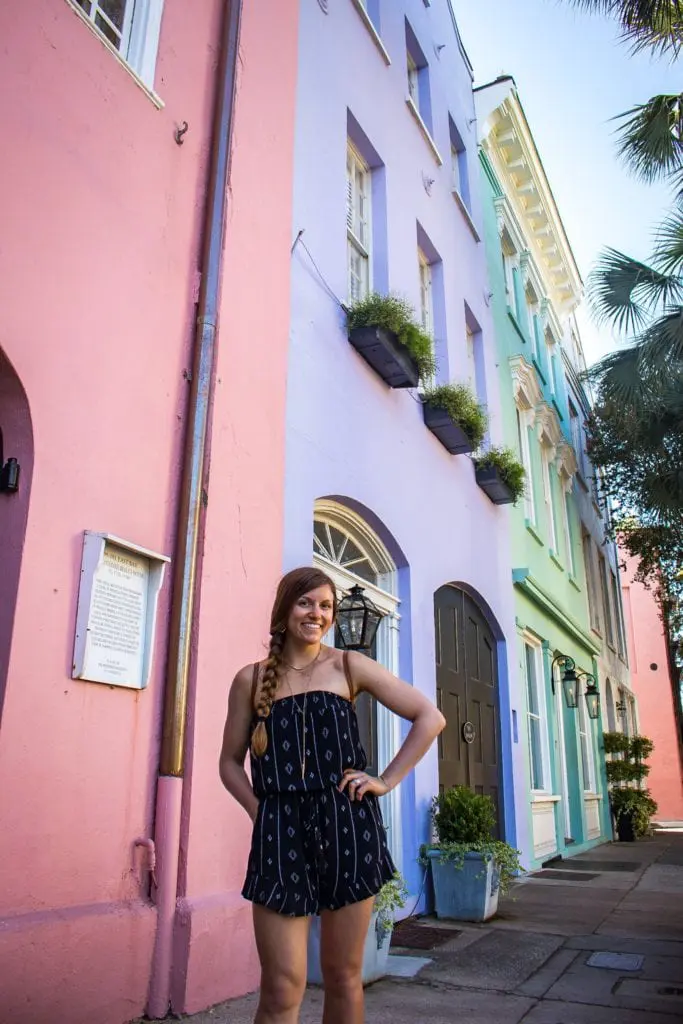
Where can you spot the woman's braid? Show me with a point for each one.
(266, 693)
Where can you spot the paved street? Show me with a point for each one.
(532, 964)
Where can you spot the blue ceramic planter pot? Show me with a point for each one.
(467, 893)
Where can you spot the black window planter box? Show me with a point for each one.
(493, 485)
(386, 355)
(452, 436)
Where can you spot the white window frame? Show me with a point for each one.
(548, 499)
(523, 428)
(541, 716)
(471, 357)
(566, 528)
(358, 223)
(610, 634)
(510, 262)
(591, 582)
(586, 743)
(139, 38)
(426, 293)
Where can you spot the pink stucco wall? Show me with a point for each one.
(102, 214)
(651, 684)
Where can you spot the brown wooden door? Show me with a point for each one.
(467, 693)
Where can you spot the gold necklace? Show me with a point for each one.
(302, 712)
(303, 668)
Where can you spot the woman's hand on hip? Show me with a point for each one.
(358, 784)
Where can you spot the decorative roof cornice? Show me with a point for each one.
(507, 141)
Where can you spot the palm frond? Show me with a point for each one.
(650, 138)
(646, 24)
(668, 254)
(660, 349)
(623, 292)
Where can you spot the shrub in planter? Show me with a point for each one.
(632, 810)
(500, 474)
(632, 806)
(453, 414)
(385, 331)
(469, 868)
(391, 897)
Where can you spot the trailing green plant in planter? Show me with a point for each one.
(454, 415)
(469, 867)
(391, 897)
(393, 314)
(500, 464)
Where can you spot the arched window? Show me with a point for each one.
(350, 552)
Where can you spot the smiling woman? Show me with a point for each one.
(318, 845)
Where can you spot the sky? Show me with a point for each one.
(573, 76)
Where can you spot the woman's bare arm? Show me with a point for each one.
(405, 701)
(236, 743)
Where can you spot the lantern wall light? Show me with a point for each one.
(357, 620)
(571, 685)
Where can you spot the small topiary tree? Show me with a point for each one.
(625, 775)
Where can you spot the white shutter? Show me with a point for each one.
(357, 224)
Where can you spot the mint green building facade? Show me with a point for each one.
(535, 289)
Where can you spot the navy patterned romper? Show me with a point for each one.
(313, 848)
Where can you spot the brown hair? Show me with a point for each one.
(290, 589)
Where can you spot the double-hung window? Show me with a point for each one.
(567, 529)
(132, 27)
(413, 80)
(426, 297)
(525, 455)
(358, 227)
(536, 718)
(548, 498)
(589, 565)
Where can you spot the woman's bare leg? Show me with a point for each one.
(342, 938)
(281, 942)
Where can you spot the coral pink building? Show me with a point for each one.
(111, 169)
(651, 683)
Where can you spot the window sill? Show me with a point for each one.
(374, 34)
(554, 558)
(151, 95)
(574, 583)
(516, 326)
(590, 795)
(538, 797)
(534, 532)
(466, 214)
(424, 129)
(597, 632)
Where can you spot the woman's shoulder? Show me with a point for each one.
(244, 678)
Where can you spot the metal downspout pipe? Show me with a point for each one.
(191, 513)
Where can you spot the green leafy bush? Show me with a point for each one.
(462, 407)
(464, 822)
(395, 314)
(628, 767)
(615, 742)
(505, 461)
(626, 771)
(635, 802)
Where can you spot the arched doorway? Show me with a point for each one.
(347, 548)
(467, 694)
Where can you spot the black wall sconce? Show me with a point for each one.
(571, 685)
(357, 620)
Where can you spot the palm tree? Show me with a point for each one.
(650, 134)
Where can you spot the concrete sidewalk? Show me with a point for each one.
(534, 962)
